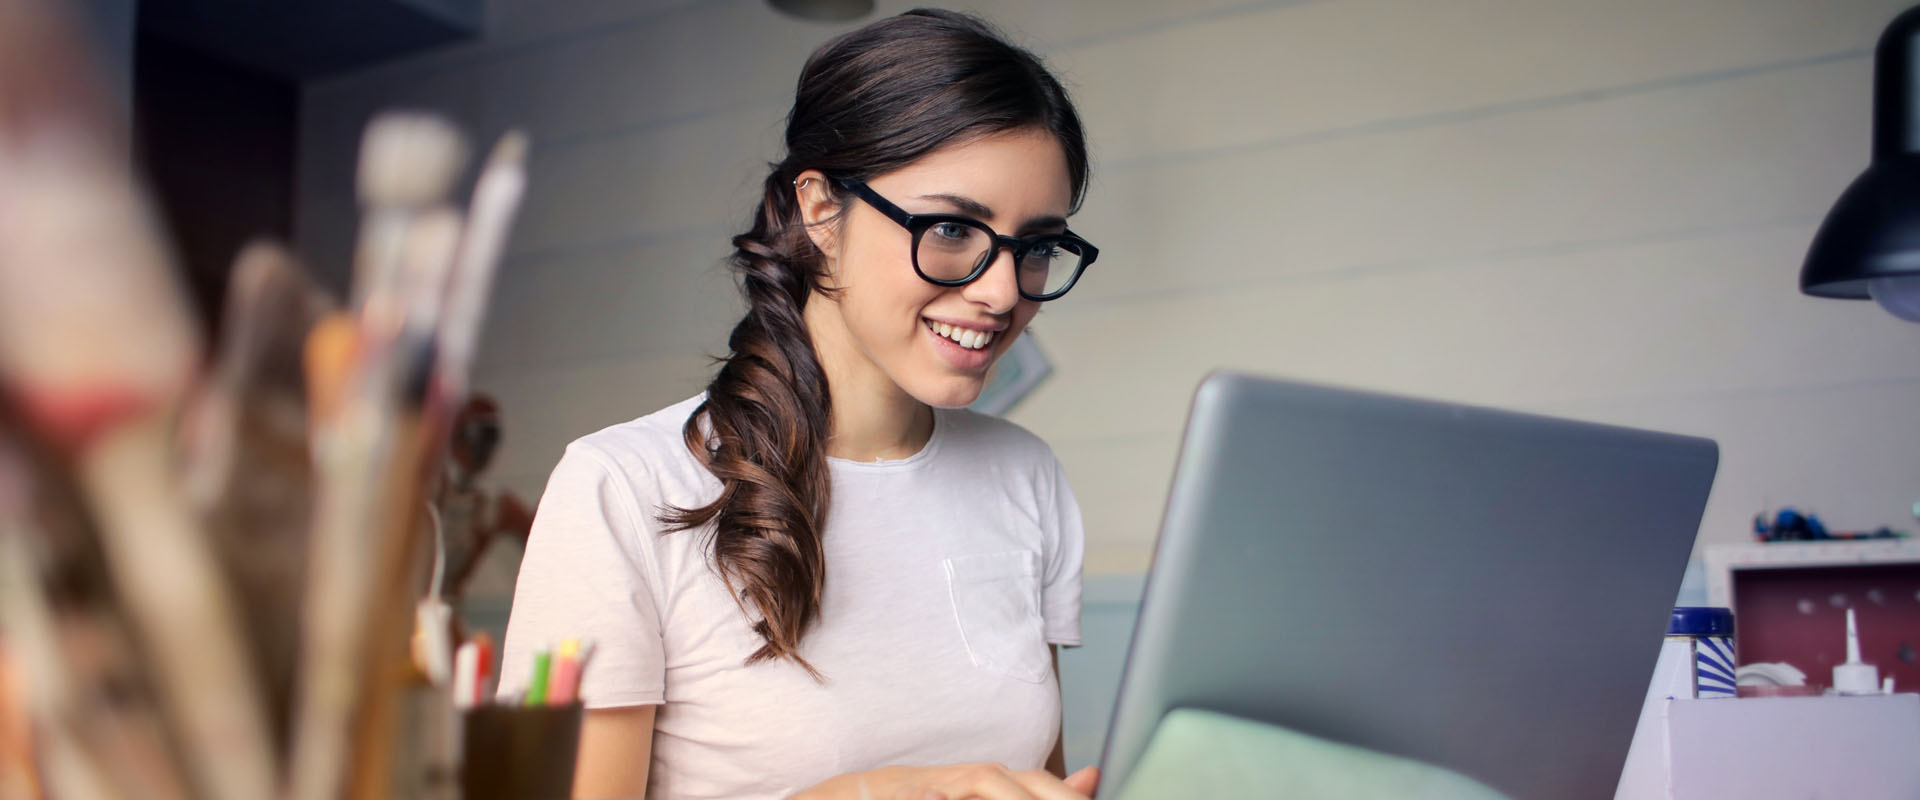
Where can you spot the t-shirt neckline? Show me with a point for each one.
(940, 424)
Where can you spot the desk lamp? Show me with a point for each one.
(1869, 245)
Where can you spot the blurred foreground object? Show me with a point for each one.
(383, 380)
(244, 459)
(18, 775)
(96, 355)
(208, 571)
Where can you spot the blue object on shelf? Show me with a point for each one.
(1700, 621)
(1790, 525)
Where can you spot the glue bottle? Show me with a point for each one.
(1855, 677)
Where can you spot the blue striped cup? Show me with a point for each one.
(1707, 634)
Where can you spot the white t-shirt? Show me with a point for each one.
(947, 575)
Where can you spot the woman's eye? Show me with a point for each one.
(1041, 257)
(951, 230)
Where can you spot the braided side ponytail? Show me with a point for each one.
(768, 412)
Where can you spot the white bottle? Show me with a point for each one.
(1854, 677)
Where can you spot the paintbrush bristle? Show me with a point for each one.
(512, 147)
(330, 351)
(409, 159)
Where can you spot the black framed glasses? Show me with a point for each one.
(955, 250)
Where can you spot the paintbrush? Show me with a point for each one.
(244, 457)
(366, 380)
(405, 543)
(351, 439)
(496, 200)
(408, 161)
(101, 732)
(96, 351)
(436, 341)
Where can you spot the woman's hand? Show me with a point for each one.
(954, 782)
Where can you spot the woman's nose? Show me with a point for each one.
(999, 289)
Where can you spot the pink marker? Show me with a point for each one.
(566, 674)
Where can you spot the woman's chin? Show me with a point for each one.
(949, 392)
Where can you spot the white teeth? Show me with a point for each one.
(965, 337)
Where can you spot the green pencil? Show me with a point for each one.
(537, 689)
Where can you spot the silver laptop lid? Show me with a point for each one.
(1477, 589)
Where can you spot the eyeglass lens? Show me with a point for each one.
(951, 251)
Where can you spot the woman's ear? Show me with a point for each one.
(820, 211)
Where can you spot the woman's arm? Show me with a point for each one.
(1057, 762)
(616, 746)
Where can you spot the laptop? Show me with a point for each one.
(1478, 589)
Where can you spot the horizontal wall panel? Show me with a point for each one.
(1711, 314)
(541, 413)
(1758, 149)
(1845, 452)
(663, 180)
(1315, 67)
(651, 299)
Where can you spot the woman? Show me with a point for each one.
(823, 575)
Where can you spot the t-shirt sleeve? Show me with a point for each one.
(1060, 596)
(589, 572)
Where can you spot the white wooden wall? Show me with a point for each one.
(1593, 208)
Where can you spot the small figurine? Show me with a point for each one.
(472, 517)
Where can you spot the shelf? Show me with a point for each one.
(1722, 560)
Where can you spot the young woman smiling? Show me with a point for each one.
(823, 575)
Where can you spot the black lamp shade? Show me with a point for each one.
(1873, 230)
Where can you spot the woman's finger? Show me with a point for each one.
(1044, 786)
(1086, 781)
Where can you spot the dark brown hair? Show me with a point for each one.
(868, 102)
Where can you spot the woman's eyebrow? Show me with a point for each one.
(1049, 223)
(966, 205)
(979, 210)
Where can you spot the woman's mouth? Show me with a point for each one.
(965, 349)
(965, 337)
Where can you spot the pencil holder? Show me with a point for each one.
(519, 752)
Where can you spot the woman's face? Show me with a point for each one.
(886, 324)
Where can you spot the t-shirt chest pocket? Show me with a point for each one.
(996, 602)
